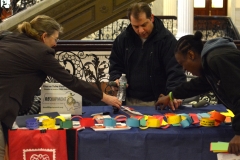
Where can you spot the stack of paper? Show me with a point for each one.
(217, 147)
(224, 156)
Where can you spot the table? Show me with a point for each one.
(174, 143)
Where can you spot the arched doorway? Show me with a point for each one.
(210, 7)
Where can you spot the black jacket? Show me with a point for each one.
(24, 65)
(221, 75)
(158, 71)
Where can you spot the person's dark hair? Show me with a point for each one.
(39, 25)
(190, 42)
(136, 8)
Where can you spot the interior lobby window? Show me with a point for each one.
(199, 3)
(217, 3)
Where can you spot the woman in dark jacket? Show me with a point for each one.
(216, 63)
(26, 60)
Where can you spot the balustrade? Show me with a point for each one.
(88, 60)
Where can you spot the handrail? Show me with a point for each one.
(94, 45)
(167, 17)
(89, 67)
(84, 45)
(235, 30)
(160, 17)
(216, 24)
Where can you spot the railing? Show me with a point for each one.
(88, 60)
(111, 31)
(210, 26)
(15, 6)
(170, 22)
(216, 26)
(85, 52)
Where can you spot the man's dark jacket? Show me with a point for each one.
(151, 68)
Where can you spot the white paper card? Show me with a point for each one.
(57, 98)
(224, 156)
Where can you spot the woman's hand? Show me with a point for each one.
(164, 101)
(234, 145)
(177, 103)
(111, 100)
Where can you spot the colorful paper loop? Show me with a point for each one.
(194, 118)
(32, 123)
(43, 117)
(49, 123)
(186, 121)
(109, 122)
(85, 122)
(66, 124)
(61, 118)
(133, 122)
(121, 118)
(174, 119)
(207, 122)
(228, 120)
(143, 122)
(153, 123)
(217, 116)
(138, 117)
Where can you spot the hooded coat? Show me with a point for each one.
(221, 74)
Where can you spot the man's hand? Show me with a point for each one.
(115, 88)
(234, 145)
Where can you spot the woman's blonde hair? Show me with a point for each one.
(39, 25)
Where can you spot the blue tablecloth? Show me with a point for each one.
(174, 143)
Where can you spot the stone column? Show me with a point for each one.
(231, 10)
(185, 18)
(169, 7)
(157, 7)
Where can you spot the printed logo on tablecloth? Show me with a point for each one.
(39, 154)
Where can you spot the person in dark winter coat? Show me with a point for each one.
(216, 63)
(145, 53)
(26, 60)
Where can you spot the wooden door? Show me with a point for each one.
(210, 7)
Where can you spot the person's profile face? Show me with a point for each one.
(143, 26)
(50, 40)
(190, 62)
